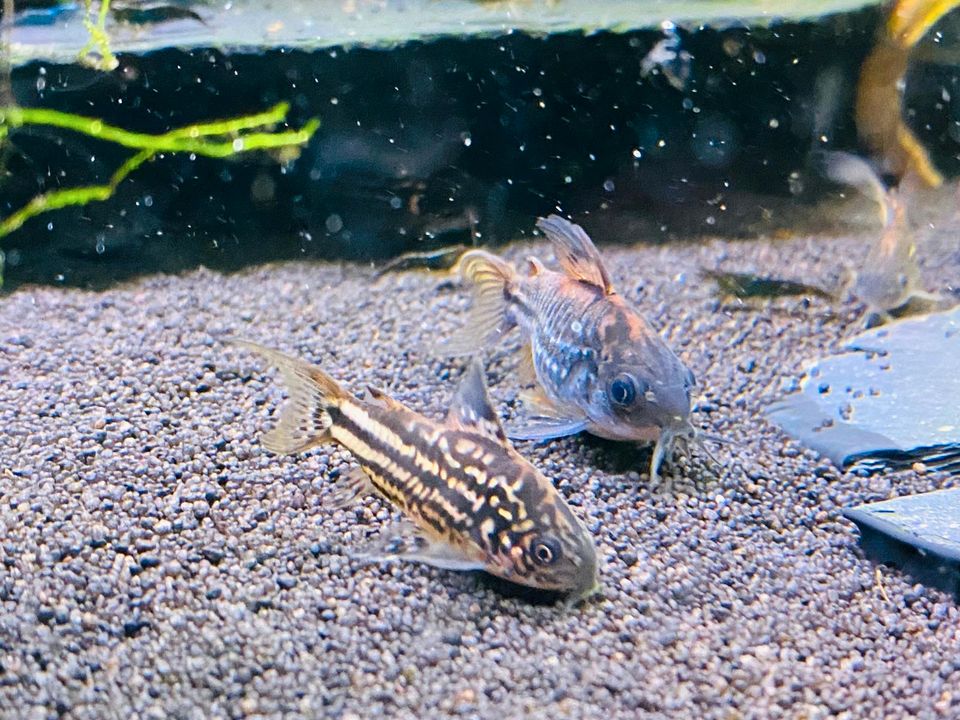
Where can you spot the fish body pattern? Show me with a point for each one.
(475, 502)
(598, 364)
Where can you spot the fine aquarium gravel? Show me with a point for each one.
(298, 181)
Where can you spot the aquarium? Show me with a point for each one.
(479, 358)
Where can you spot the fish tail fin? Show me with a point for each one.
(492, 279)
(853, 171)
(305, 419)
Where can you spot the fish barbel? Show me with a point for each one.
(475, 502)
(598, 365)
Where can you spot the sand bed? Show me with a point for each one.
(157, 563)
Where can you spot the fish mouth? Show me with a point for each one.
(587, 578)
(582, 594)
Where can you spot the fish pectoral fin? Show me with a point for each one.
(536, 402)
(405, 541)
(441, 555)
(545, 420)
(350, 488)
(540, 428)
(576, 252)
(526, 371)
(924, 296)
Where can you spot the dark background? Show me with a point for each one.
(418, 139)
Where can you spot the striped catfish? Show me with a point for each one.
(596, 363)
(475, 502)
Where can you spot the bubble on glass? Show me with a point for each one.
(263, 189)
(334, 223)
(714, 142)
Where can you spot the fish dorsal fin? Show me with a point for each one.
(471, 408)
(576, 252)
(381, 398)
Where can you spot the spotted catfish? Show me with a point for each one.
(889, 279)
(476, 504)
(597, 364)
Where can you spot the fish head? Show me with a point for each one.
(550, 549)
(884, 289)
(640, 396)
(564, 562)
(639, 387)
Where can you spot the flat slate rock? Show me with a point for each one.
(920, 534)
(891, 400)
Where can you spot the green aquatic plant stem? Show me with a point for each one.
(72, 196)
(205, 139)
(98, 37)
(188, 139)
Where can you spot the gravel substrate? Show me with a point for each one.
(158, 564)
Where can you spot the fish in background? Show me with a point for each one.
(476, 504)
(669, 58)
(597, 364)
(889, 280)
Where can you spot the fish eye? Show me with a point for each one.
(623, 390)
(546, 550)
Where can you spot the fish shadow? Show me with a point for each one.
(614, 456)
(512, 591)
